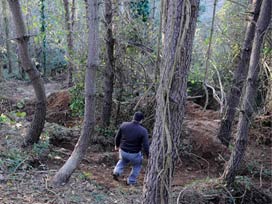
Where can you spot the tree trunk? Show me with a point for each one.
(63, 175)
(68, 25)
(43, 28)
(248, 102)
(239, 77)
(86, 7)
(153, 9)
(73, 10)
(1, 71)
(37, 123)
(6, 25)
(109, 75)
(120, 52)
(180, 19)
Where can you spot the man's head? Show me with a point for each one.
(138, 116)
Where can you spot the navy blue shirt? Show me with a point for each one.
(131, 137)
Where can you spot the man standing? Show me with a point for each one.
(129, 140)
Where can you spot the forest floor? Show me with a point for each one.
(25, 174)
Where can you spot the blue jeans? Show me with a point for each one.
(124, 159)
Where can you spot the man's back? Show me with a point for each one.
(131, 136)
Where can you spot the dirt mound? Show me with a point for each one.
(58, 110)
(194, 111)
(202, 137)
(200, 143)
(59, 101)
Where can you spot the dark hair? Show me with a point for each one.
(138, 116)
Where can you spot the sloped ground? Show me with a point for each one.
(25, 174)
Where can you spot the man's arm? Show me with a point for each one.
(146, 144)
(118, 138)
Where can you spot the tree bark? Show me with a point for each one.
(1, 71)
(43, 32)
(239, 77)
(109, 73)
(180, 20)
(63, 175)
(248, 102)
(69, 37)
(6, 25)
(37, 123)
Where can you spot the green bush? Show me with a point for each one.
(77, 102)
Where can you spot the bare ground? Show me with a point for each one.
(25, 174)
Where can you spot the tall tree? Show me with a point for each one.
(6, 27)
(179, 23)
(239, 77)
(37, 124)
(69, 29)
(109, 74)
(63, 175)
(249, 98)
(43, 33)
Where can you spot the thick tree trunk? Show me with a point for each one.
(6, 25)
(109, 75)
(180, 21)
(239, 77)
(63, 175)
(248, 102)
(68, 25)
(37, 123)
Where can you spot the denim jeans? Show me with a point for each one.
(124, 159)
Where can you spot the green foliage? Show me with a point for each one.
(98, 197)
(228, 35)
(255, 168)
(12, 159)
(41, 147)
(140, 9)
(20, 104)
(106, 132)
(244, 180)
(77, 102)
(84, 175)
(21, 114)
(4, 118)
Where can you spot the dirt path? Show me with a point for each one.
(18, 90)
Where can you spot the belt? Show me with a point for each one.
(130, 152)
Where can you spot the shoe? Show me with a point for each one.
(130, 184)
(115, 176)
